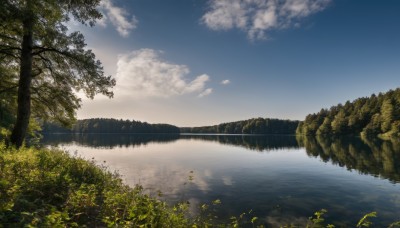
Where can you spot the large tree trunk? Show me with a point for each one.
(24, 92)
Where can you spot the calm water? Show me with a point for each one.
(281, 178)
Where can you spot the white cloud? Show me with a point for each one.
(225, 82)
(258, 17)
(118, 17)
(205, 92)
(143, 73)
(226, 14)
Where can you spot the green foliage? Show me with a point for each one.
(102, 125)
(364, 221)
(317, 221)
(251, 126)
(395, 224)
(8, 102)
(43, 188)
(375, 115)
(43, 64)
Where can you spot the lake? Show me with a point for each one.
(282, 179)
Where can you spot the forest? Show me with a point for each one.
(377, 115)
(250, 126)
(102, 125)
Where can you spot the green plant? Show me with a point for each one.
(317, 221)
(364, 221)
(49, 188)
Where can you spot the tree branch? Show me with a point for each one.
(38, 73)
(9, 48)
(8, 53)
(43, 49)
(7, 89)
(47, 62)
(8, 37)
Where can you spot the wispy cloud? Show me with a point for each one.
(225, 82)
(143, 73)
(205, 92)
(258, 17)
(119, 18)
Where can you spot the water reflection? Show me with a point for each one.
(108, 140)
(258, 143)
(252, 142)
(368, 156)
(285, 183)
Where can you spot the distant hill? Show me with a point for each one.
(250, 126)
(377, 115)
(100, 125)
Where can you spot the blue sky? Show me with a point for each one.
(199, 62)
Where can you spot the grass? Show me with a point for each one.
(50, 188)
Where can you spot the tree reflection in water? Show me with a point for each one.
(368, 156)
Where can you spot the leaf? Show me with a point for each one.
(216, 202)
(395, 224)
(364, 222)
(254, 219)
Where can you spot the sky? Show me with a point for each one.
(205, 62)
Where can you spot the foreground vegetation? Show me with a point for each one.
(47, 188)
(50, 188)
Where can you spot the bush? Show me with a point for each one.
(41, 187)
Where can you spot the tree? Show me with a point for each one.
(325, 128)
(374, 115)
(339, 123)
(387, 115)
(52, 64)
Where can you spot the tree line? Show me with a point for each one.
(250, 126)
(103, 125)
(377, 115)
